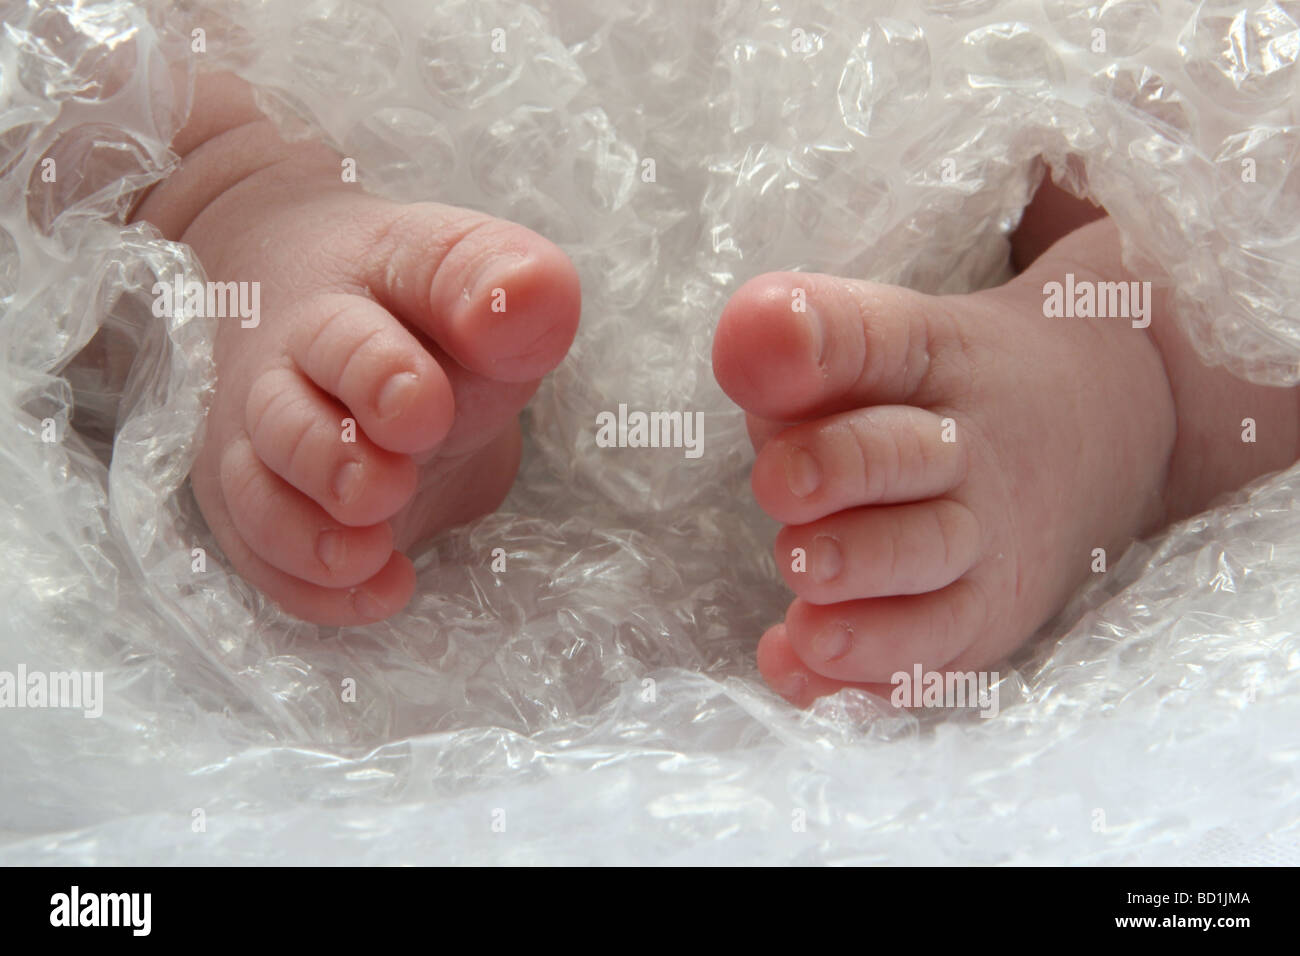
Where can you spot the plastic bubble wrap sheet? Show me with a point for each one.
(597, 700)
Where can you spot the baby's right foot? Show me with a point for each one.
(947, 467)
(376, 400)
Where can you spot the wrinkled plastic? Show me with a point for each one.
(597, 700)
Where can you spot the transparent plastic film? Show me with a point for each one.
(574, 680)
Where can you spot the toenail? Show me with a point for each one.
(367, 607)
(802, 473)
(329, 548)
(827, 558)
(347, 481)
(832, 644)
(492, 275)
(792, 686)
(396, 394)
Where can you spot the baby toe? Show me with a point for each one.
(315, 445)
(354, 349)
(293, 534)
(868, 641)
(880, 455)
(501, 300)
(786, 674)
(790, 346)
(380, 596)
(875, 552)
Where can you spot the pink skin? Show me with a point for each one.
(371, 311)
(1072, 434)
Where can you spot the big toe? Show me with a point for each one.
(792, 345)
(501, 300)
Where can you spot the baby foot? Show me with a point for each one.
(376, 400)
(947, 465)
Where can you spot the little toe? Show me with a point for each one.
(355, 350)
(380, 596)
(791, 346)
(786, 674)
(315, 445)
(869, 641)
(880, 455)
(293, 534)
(501, 300)
(876, 552)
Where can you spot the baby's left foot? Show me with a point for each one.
(373, 401)
(946, 466)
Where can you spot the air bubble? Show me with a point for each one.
(16, 139)
(516, 153)
(1145, 92)
(885, 79)
(339, 31)
(1259, 181)
(89, 166)
(458, 64)
(1010, 56)
(1245, 58)
(406, 149)
(1126, 26)
(86, 52)
(10, 266)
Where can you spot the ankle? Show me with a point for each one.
(1229, 431)
(226, 142)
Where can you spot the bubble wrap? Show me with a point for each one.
(597, 701)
